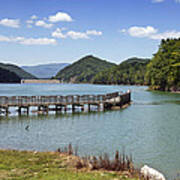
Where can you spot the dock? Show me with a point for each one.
(40, 81)
(59, 103)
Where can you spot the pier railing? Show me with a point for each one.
(44, 103)
(70, 99)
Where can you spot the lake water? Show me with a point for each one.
(149, 129)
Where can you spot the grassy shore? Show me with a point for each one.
(31, 165)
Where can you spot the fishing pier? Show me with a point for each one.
(58, 103)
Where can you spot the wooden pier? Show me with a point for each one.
(62, 103)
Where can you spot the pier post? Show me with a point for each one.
(28, 110)
(73, 108)
(7, 111)
(65, 108)
(82, 108)
(39, 108)
(58, 108)
(46, 109)
(103, 108)
(89, 107)
(19, 111)
(99, 107)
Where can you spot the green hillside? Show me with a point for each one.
(17, 70)
(84, 70)
(131, 71)
(7, 76)
(163, 72)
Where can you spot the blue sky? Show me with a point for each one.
(47, 31)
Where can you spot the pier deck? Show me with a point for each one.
(60, 103)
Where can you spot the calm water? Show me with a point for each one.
(149, 129)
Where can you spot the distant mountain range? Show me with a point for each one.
(83, 70)
(45, 70)
(88, 69)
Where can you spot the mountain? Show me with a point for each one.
(131, 71)
(45, 70)
(17, 70)
(83, 70)
(7, 76)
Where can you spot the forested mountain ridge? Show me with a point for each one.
(162, 72)
(7, 76)
(17, 70)
(131, 71)
(83, 70)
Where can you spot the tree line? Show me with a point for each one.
(162, 72)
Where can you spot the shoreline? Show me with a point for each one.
(172, 92)
(55, 164)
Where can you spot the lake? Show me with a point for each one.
(149, 129)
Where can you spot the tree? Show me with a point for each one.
(163, 71)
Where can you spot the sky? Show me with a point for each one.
(59, 31)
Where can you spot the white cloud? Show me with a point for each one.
(60, 16)
(165, 35)
(141, 31)
(28, 41)
(160, 1)
(14, 23)
(150, 32)
(43, 24)
(33, 17)
(94, 32)
(58, 33)
(29, 21)
(157, 1)
(38, 41)
(123, 30)
(10, 39)
(77, 35)
(4, 39)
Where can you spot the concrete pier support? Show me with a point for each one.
(65, 108)
(26, 110)
(82, 108)
(89, 107)
(19, 111)
(7, 111)
(99, 107)
(46, 109)
(103, 108)
(73, 108)
(58, 108)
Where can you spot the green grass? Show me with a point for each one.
(22, 165)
